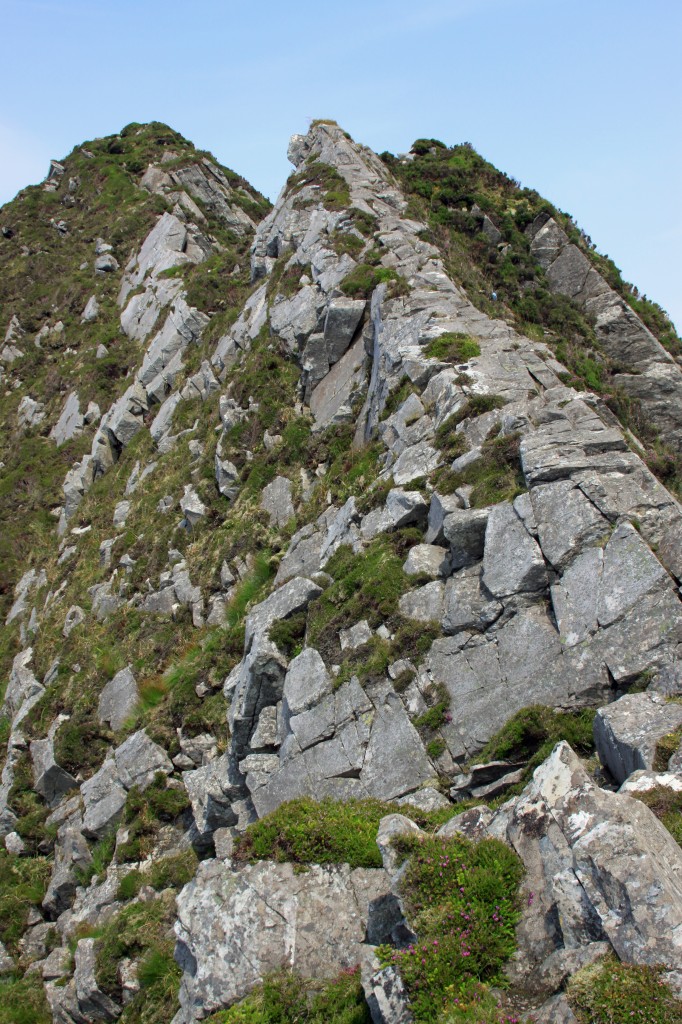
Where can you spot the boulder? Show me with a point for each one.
(464, 530)
(387, 998)
(74, 617)
(343, 317)
(306, 682)
(428, 560)
(70, 421)
(627, 731)
(92, 1002)
(119, 698)
(264, 917)
(49, 779)
(424, 604)
(276, 500)
(512, 560)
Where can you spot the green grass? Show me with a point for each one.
(453, 347)
(667, 806)
(366, 586)
(102, 856)
(286, 998)
(462, 900)
(532, 733)
(144, 814)
(665, 748)
(305, 831)
(363, 279)
(23, 1000)
(23, 884)
(496, 476)
(610, 992)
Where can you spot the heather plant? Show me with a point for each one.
(461, 898)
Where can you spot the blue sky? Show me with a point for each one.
(580, 99)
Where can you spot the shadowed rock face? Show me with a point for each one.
(334, 566)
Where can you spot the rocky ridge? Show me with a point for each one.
(385, 552)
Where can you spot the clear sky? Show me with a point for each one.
(580, 99)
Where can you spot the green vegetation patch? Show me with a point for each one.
(23, 884)
(366, 586)
(334, 188)
(496, 476)
(144, 814)
(141, 931)
(453, 347)
(610, 992)
(665, 748)
(23, 1000)
(462, 900)
(304, 831)
(170, 872)
(533, 732)
(363, 279)
(287, 998)
(667, 806)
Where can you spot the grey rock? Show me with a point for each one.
(104, 799)
(343, 317)
(578, 843)
(91, 311)
(70, 421)
(440, 507)
(276, 500)
(92, 1002)
(415, 462)
(138, 759)
(627, 731)
(427, 559)
(29, 412)
(263, 917)
(556, 1010)
(426, 799)
(630, 571)
(466, 605)
(191, 505)
(512, 560)
(395, 762)
(566, 521)
(14, 844)
(472, 823)
(306, 682)
(266, 734)
(118, 700)
(106, 264)
(227, 477)
(212, 789)
(464, 530)
(7, 965)
(71, 853)
(426, 604)
(49, 778)
(387, 998)
(121, 513)
(74, 617)
(355, 637)
(390, 827)
(575, 597)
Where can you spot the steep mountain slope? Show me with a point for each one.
(318, 527)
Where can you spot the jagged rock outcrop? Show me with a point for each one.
(334, 562)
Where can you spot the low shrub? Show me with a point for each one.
(305, 831)
(453, 347)
(363, 279)
(610, 992)
(462, 900)
(286, 998)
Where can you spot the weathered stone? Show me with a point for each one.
(94, 1003)
(211, 790)
(466, 605)
(191, 505)
(74, 617)
(91, 311)
(440, 507)
(427, 559)
(118, 700)
(630, 571)
(390, 827)
(566, 521)
(104, 798)
(579, 844)
(627, 731)
(71, 853)
(343, 317)
(262, 918)
(576, 595)
(138, 759)
(512, 560)
(29, 412)
(464, 530)
(415, 462)
(424, 604)
(70, 421)
(49, 779)
(306, 682)
(276, 500)
(387, 998)
(426, 799)
(357, 636)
